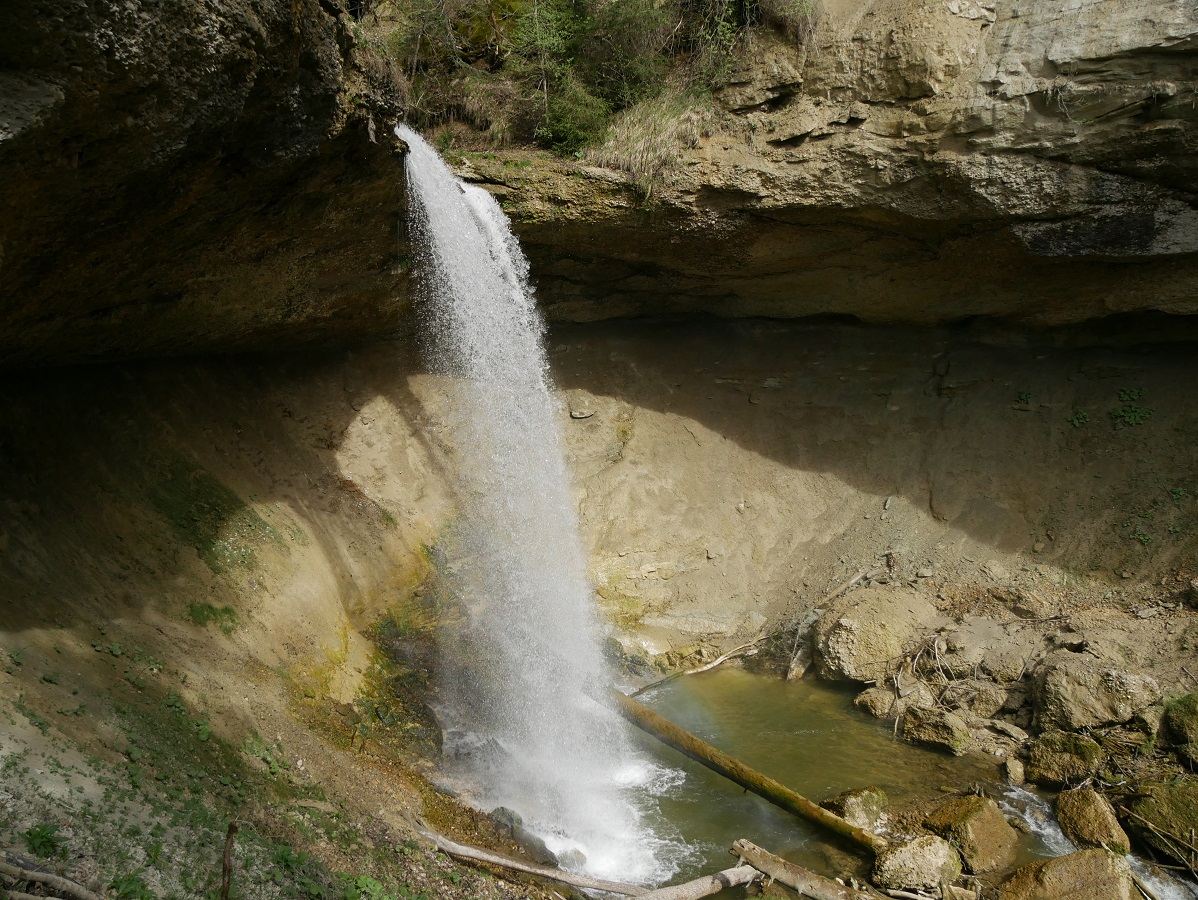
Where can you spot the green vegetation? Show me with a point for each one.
(556, 71)
(207, 515)
(203, 614)
(44, 840)
(1131, 413)
(1080, 419)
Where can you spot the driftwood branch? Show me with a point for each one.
(705, 886)
(465, 852)
(731, 654)
(802, 880)
(226, 869)
(57, 882)
(735, 770)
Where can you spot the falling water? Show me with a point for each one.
(520, 668)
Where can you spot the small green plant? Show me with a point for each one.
(204, 614)
(1023, 397)
(15, 659)
(1131, 395)
(1142, 536)
(1129, 415)
(1178, 494)
(131, 886)
(43, 840)
(1080, 419)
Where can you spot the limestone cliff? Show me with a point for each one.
(221, 176)
(924, 160)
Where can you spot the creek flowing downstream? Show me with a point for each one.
(519, 666)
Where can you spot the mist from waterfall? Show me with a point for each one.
(518, 666)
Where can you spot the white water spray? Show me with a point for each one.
(518, 672)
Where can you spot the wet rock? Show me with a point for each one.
(1072, 691)
(511, 822)
(1058, 759)
(864, 807)
(977, 828)
(937, 728)
(572, 858)
(887, 703)
(1088, 819)
(857, 640)
(1085, 875)
(1180, 725)
(982, 699)
(921, 864)
(1172, 809)
(1013, 771)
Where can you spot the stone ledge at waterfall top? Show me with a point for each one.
(924, 162)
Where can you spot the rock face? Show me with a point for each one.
(976, 827)
(920, 864)
(927, 160)
(206, 179)
(860, 638)
(1058, 758)
(1180, 723)
(192, 178)
(1073, 691)
(1088, 819)
(1172, 808)
(1085, 875)
(937, 729)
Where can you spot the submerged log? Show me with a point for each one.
(802, 880)
(705, 886)
(735, 770)
(464, 851)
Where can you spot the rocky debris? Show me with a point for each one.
(980, 699)
(977, 828)
(1180, 725)
(1013, 771)
(1165, 817)
(512, 823)
(859, 638)
(937, 728)
(1088, 819)
(921, 864)
(863, 807)
(1005, 652)
(1073, 691)
(1085, 875)
(1060, 758)
(892, 702)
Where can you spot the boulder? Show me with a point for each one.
(920, 864)
(1014, 772)
(1085, 875)
(887, 703)
(1180, 724)
(1073, 691)
(937, 728)
(1172, 809)
(1058, 759)
(1088, 819)
(864, 807)
(981, 699)
(977, 828)
(860, 638)
(512, 823)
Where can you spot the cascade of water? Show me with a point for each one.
(517, 673)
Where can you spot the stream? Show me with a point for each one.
(808, 735)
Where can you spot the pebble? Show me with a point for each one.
(925, 573)
(1148, 612)
(1038, 547)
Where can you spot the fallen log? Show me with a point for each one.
(466, 852)
(736, 771)
(802, 880)
(55, 882)
(705, 886)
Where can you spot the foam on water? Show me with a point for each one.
(519, 672)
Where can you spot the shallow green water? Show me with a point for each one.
(807, 735)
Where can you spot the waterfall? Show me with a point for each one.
(518, 667)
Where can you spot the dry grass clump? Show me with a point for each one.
(646, 140)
